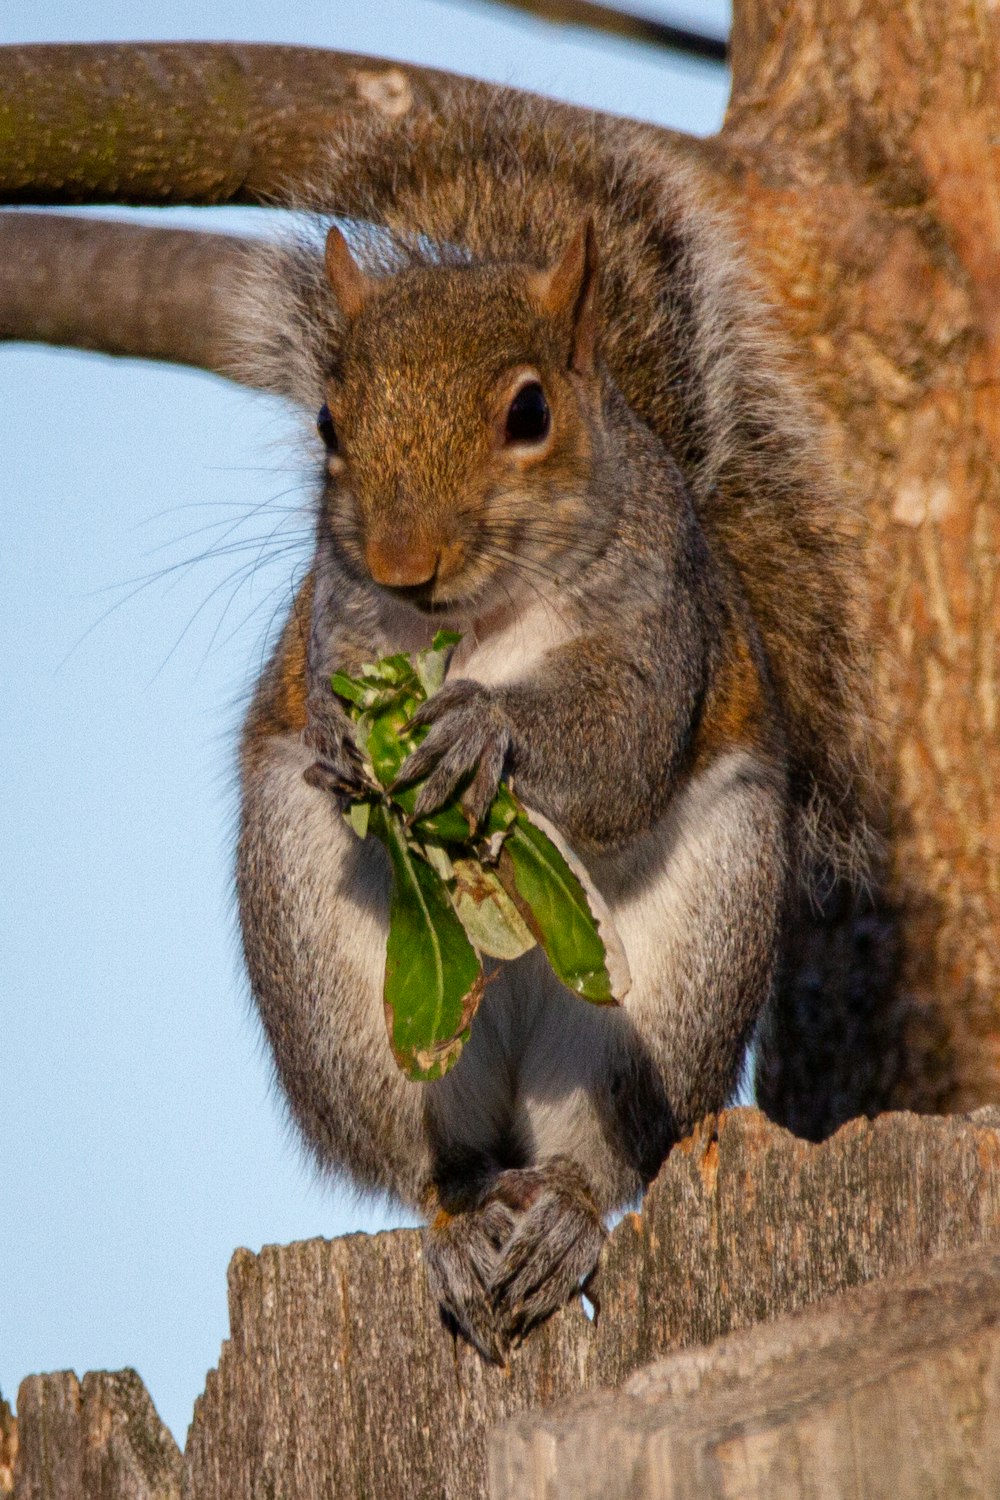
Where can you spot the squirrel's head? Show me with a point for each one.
(461, 421)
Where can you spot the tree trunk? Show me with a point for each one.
(859, 153)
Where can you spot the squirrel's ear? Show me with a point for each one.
(569, 290)
(351, 286)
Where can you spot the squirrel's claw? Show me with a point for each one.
(338, 767)
(450, 695)
(553, 1251)
(477, 799)
(327, 778)
(530, 1246)
(468, 735)
(461, 1253)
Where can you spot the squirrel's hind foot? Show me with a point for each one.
(529, 1247)
(461, 1252)
(553, 1251)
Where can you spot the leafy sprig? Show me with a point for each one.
(460, 894)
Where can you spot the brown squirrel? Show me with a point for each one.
(557, 417)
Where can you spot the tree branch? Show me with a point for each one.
(233, 123)
(118, 288)
(613, 22)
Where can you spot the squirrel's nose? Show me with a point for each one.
(399, 564)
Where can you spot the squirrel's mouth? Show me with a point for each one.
(427, 597)
(465, 592)
(428, 606)
(418, 594)
(422, 598)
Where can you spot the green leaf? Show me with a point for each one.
(437, 857)
(503, 812)
(394, 671)
(446, 825)
(458, 893)
(388, 743)
(433, 976)
(491, 920)
(361, 694)
(431, 664)
(358, 815)
(382, 735)
(551, 897)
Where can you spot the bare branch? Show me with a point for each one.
(119, 288)
(613, 22)
(233, 123)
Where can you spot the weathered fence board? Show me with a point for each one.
(890, 1392)
(338, 1380)
(95, 1439)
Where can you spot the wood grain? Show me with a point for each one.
(95, 1439)
(889, 1393)
(338, 1380)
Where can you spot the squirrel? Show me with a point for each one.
(554, 414)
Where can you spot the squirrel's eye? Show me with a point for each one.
(326, 429)
(528, 416)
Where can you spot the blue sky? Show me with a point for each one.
(142, 1141)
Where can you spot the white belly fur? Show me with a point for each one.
(511, 653)
(507, 652)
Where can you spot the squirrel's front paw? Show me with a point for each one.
(552, 1254)
(469, 734)
(338, 767)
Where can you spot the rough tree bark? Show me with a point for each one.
(858, 156)
(859, 153)
(234, 123)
